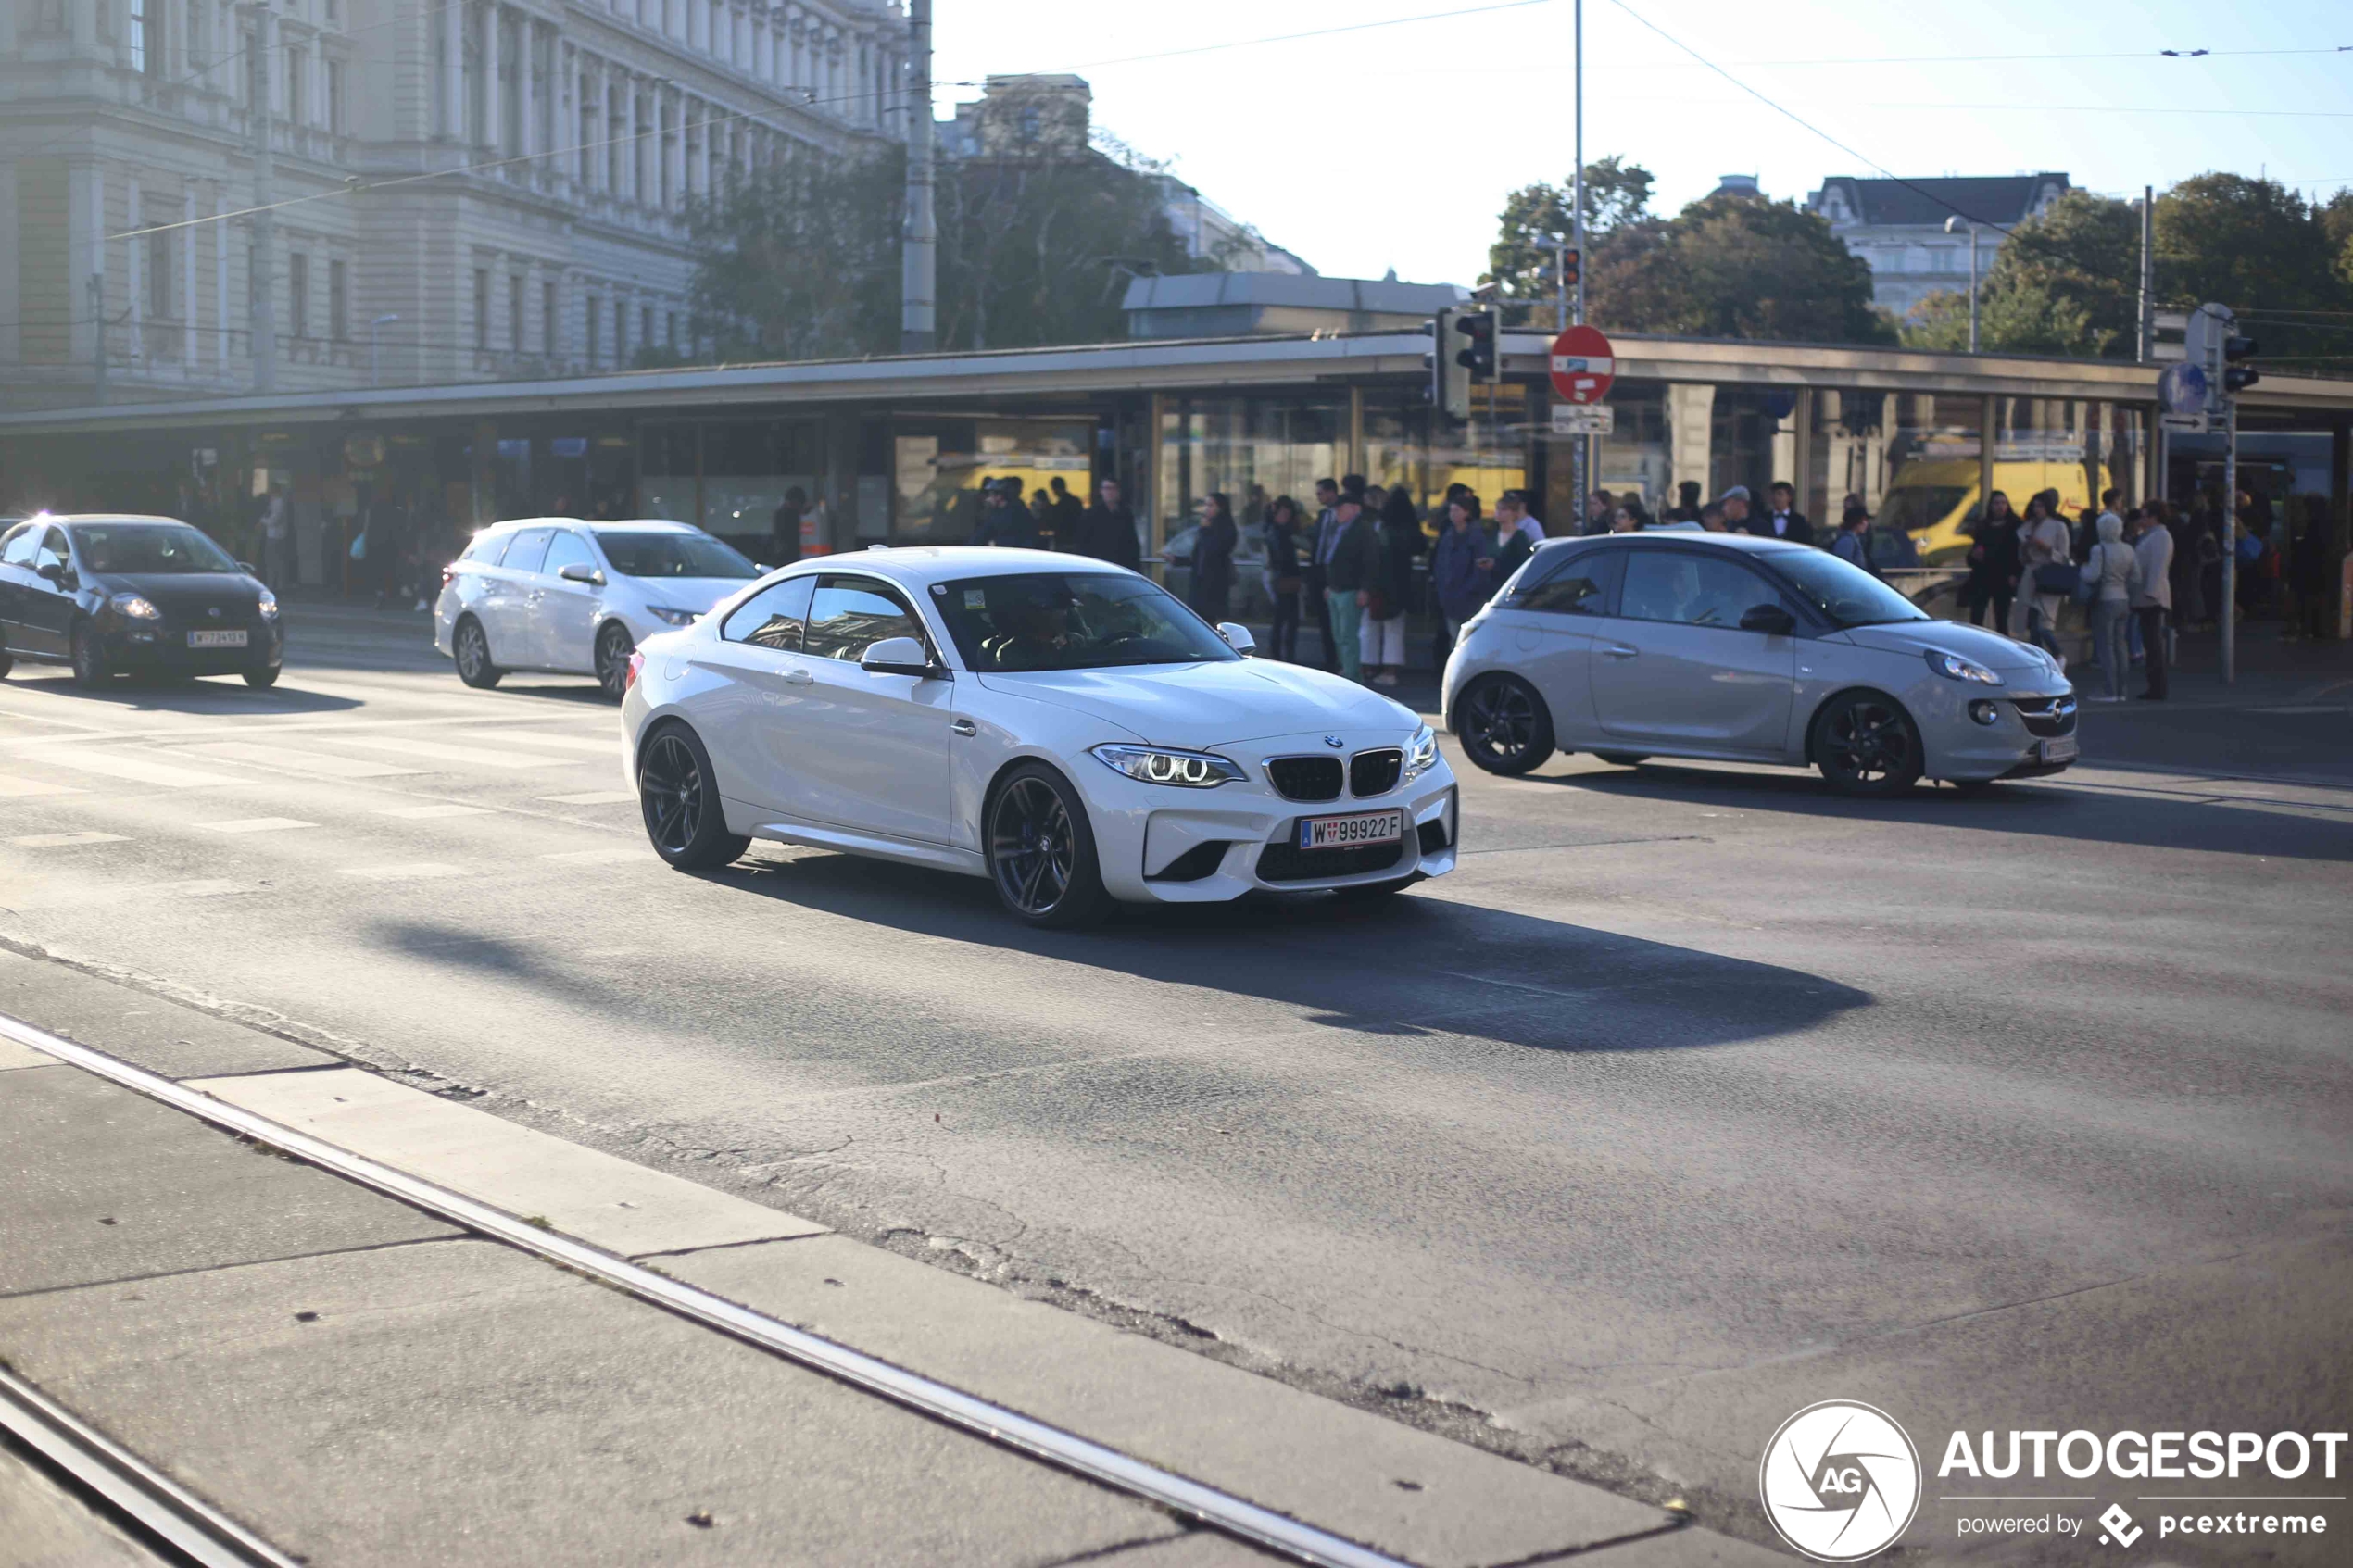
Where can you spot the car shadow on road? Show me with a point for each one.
(2083, 813)
(1407, 965)
(210, 696)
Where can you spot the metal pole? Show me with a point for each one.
(919, 245)
(1560, 275)
(2230, 538)
(262, 284)
(378, 321)
(2149, 273)
(1972, 288)
(1584, 464)
(99, 336)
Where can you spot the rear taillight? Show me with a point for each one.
(446, 573)
(637, 662)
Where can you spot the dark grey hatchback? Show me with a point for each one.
(115, 595)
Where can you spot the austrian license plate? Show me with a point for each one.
(2063, 748)
(1347, 833)
(216, 639)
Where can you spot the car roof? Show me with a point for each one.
(76, 520)
(640, 524)
(920, 566)
(1752, 543)
(528, 522)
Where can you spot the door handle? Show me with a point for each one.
(798, 678)
(1620, 651)
(964, 727)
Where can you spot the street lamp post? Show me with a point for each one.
(384, 321)
(1954, 226)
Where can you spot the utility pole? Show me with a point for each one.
(262, 284)
(2230, 616)
(919, 243)
(1584, 448)
(2149, 273)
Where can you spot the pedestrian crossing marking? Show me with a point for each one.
(131, 765)
(438, 751)
(593, 797)
(258, 824)
(433, 809)
(316, 763)
(412, 870)
(12, 788)
(59, 840)
(559, 742)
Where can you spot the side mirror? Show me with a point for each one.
(1237, 638)
(898, 655)
(581, 571)
(1770, 619)
(248, 569)
(50, 570)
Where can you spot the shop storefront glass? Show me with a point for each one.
(938, 467)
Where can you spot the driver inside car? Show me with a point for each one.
(1035, 634)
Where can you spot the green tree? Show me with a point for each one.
(1735, 267)
(1616, 193)
(2259, 247)
(800, 260)
(2064, 283)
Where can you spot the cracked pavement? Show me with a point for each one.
(1693, 1097)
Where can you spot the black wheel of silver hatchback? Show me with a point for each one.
(1866, 745)
(471, 646)
(1504, 725)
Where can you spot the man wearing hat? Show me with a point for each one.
(1735, 503)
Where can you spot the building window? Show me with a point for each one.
(620, 333)
(147, 36)
(334, 97)
(159, 277)
(596, 328)
(673, 324)
(338, 301)
(646, 326)
(514, 313)
(548, 341)
(297, 79)
(298, 293)
(482, 308)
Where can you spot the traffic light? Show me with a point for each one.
(1448, 373)
(1478, 358)
(1572, 268)
(2236, 376)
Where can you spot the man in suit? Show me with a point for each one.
(1781, 519)
(1107, 530)
(1327, 506)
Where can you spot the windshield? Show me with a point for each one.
(147, 547)
(1848, 594)
(1071, 621)
(671, 555)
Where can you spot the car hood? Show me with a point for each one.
(1989, 648)
(698, 593)
(1211, 704)
(185, 592)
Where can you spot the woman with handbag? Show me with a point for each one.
(2051, 574)
(1992, 564)
(2110, 578)
(1280, 531)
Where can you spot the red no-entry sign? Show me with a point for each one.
(1583, 365)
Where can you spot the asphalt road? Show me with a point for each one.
(1694, 1097)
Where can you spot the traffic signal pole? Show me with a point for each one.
(2230, 539)
(1583, 463)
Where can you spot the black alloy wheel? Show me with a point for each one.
(1504, 725)
(680, 803)
(614, 645)
(90, 668)
(471, 647)
(1041, 851)
(1866, 745)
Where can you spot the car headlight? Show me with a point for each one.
(1953, 667)
(674, 616)
(1153, 764)
(137, 608)
(1421, 753)
(268, 607)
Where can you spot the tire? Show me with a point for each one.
(1623, 759)
(6, 664)
(614, 645)
(1504, 725)
(678, 798)
(471, 647)
(262, 679)
(1866, 745)
(90, 668)
(1041, 851)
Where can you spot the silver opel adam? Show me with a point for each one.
(1722, 646)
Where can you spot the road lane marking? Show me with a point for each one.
(436, 751)
(559, 742)
(437, 809)
(132, 767)
(592, 797)
(258, 824)
(58, 840)
(318, 764)
(13, 788)
(407, 872)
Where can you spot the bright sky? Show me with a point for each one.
(1394, 146)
